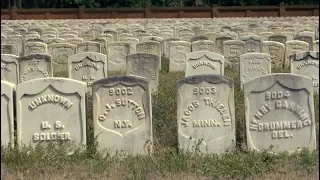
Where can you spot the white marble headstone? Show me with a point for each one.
(144, 65)
(204, 62)
(51, 110)
(306, 63)
(206, 114)
(35, 66)
(87, 67)
(10, 68)
(253, 65)
(7, 118)
(280, 113)
(122, 115)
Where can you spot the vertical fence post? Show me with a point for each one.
(315, 12)
(248, 13)
(81, 12)
(46, 15)
(214, 11)
(147, 11)
(282, 9)
(114, 14)
(13, 13)
(180, 12)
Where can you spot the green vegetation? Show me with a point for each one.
(5, 4)
(166, 162)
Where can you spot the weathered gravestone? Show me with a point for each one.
(151, 38)
(3, 37)
(316, 32)
(124, 36)
(229, 33)
(165, 35)
(212, 36)
(308, 33)
(52, 41)
(280, 113)
(10, 68)
(253, 43)
(177, 55)
(219, 43)
(276, 51)
(142, 35)
(293, 47)
(151, 47)
(166, 45)
(316, 45)
(307, 39)
(203, 62)
(7, 118)
(67, 36)
(103, 44)
(117, 54)
(206, 114)
(122, 115)
(253, 65)
(186, 36)
(232, 49)
(87, 36)
(203, 45)
(35, 66)
(51, 110)
(265, 35)
(133, 43)
(198, 38)
(289, 35)
(137, 33)
(87, 67)
(276, 30)
(144, 65)
(278, 38)
(17, 42)
(306, 63)
(74, 41)
(60, 53)
(8, 49)
(35, 48)
(46, 37)
(88, 46)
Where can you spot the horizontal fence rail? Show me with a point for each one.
(214, 11)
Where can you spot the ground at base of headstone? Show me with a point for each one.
(165, 164)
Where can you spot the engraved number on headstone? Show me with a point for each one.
(120, 91)
(204, 90)
(277, 95)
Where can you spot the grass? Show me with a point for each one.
(166, 163)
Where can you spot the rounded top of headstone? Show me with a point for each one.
(288, 80)
(210, 78)
(114, 80)
(302, 55)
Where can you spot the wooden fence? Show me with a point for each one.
(162, 12)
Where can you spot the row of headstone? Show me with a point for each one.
(251, 65)
(89, 67)
(54, 110)
(74, 32)
(176, 52)
(279, 112)
(252, 43)
(165, 28)
(86, 67)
